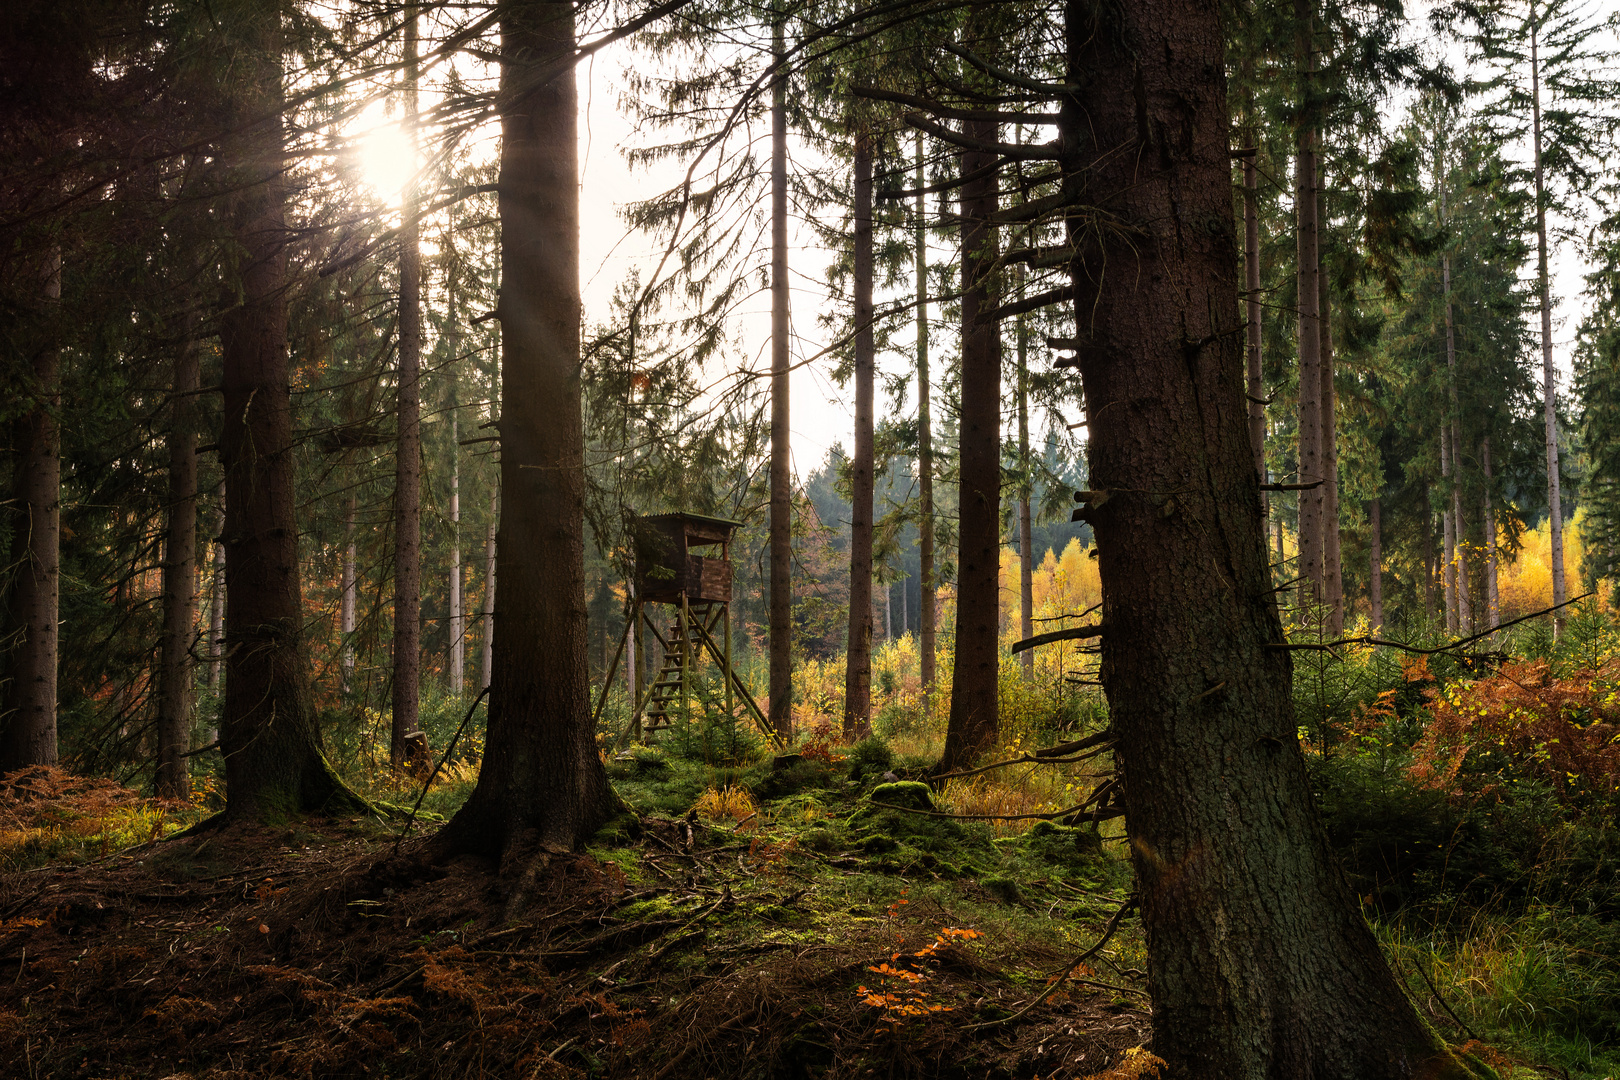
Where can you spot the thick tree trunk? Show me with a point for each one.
(175, 699)
(458, 627)
(1549, 385)
(542, 784)
(1375, 564)
(1313, 587)
(927, 588)
(1026, 557)
(781, 530)
(351, 589)
(858, 658)
(1260, 963)
(274, 764)
(487, 660)
(28, 722)
(408, 450)
(973, 721)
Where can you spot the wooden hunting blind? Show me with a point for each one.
(683, 561)
(666, 568)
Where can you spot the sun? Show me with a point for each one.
(388, 162)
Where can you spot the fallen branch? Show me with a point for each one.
(411, 820)
(1293, 646)
(1048, 755)
(1057, 980)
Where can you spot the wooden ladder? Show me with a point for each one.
(681, 648)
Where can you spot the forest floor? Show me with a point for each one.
(809, 934)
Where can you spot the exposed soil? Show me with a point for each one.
(312, 952)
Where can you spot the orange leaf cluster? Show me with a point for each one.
(906, 995)
(1560, 731)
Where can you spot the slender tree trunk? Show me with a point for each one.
(1332, 567)
(269, 737)
(1375, 564)
(1429, 569)
(1260, 964)
(888, 612)
(973, 721)
(1457, 613)
(1448, 566)
(1549, 386)
(488, 659)
(351, 589)
(216, 603)
(927, 588)
(1026, 556)
(458, 627)
(858, 659)
(408, 455)
(29, 731)
(905, 607)
(1312, 502)
(1449, 533)
(173, 780)
(1256, 326)
(542, 784)
(1493, 610)
(781, 636)
(1465, 615)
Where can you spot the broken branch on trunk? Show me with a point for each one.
(1008, 77)
(1013, 152)
(1073, 633)
(947, 112)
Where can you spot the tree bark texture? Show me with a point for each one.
(175, 697)
(274, 763)
(927, 587)
(858, 658)
(1313, 587)
(28, 722)
(781, 529)
(542, 784)
(1549, 384)
(974, 692)
(1260, 963)
(408, 450)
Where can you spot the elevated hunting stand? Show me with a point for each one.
(699, 588)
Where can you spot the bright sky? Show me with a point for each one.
(822, 413)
